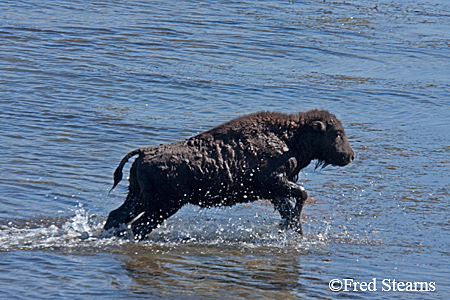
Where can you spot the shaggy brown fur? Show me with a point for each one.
(256, 156)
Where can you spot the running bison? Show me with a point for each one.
(257, 156)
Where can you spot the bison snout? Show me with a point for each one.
(346, 158)
(349, 158)
(352, 158)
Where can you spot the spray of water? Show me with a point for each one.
(194, 227)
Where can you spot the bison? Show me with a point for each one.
(256, 156)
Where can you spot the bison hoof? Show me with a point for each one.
(295, 226)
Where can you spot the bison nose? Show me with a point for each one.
(352, 157)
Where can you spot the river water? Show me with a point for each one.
(84, 82)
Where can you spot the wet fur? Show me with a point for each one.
(256, 156)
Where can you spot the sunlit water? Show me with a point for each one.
(83, 83)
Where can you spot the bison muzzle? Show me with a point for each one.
(257, 156)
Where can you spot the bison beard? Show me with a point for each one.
(257, 156)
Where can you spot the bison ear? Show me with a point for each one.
(319, 126)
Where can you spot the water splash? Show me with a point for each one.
(48, 233)
(191, 228)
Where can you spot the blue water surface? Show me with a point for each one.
(83, 83)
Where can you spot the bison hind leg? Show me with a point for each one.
(155, 214)
(125, 214)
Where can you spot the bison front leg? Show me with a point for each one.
(290, 212)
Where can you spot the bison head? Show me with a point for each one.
(331, 146)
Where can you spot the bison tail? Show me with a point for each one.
(118, 172)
